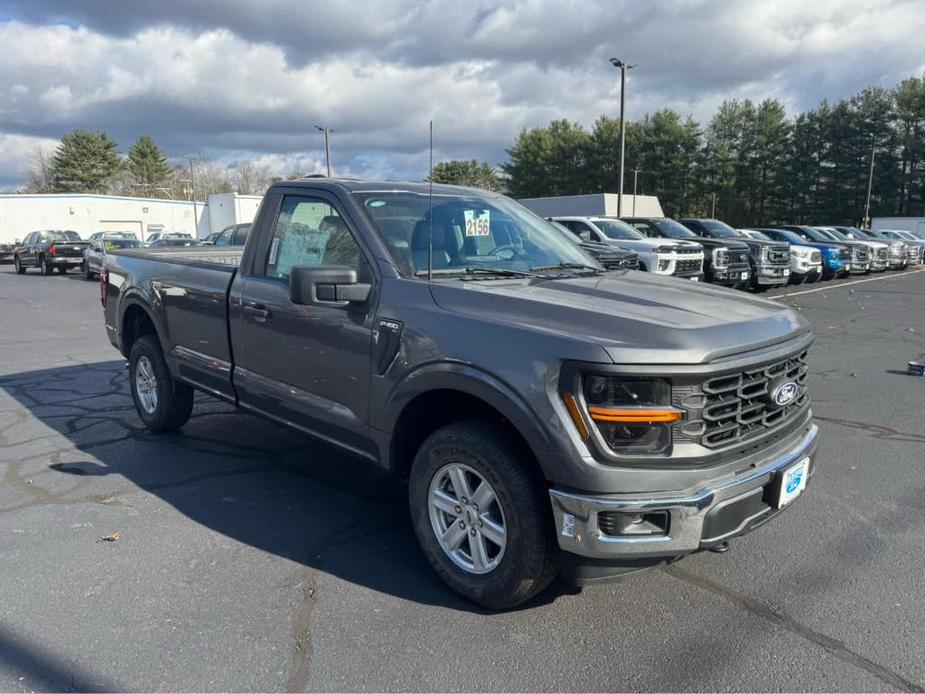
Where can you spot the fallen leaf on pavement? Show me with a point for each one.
(112, 538)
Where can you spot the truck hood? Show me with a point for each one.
(649, 245)
(636, 317)
(736, 245)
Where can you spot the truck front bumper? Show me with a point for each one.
(731, 275)
(772, 275)
(676, 525)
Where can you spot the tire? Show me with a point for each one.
(172, 403)
(18, 266)
(797, 279)
(88, 275)
(44, 267)
(528, 561)
(61, 269)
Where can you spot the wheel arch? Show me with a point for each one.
(136, 320)
(444, 394)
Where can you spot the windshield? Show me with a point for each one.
(615, 229)
(488, 232)
(829, 234)
(835, 234)
(673, 229)
(814, 234)
(63, 236)
(112, 244)
(719, 229)
(757, 235)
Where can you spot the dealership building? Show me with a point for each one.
(87, 214)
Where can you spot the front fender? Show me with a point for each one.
(470, 380)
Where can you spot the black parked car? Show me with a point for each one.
(724, 262)
(6, 253)
(611, 257)
(49, 250)
(234, 235)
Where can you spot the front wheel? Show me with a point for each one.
(61, 269)
(88, 275)
(162, 403)
(18, 266)
(482, 516)
(44, 266)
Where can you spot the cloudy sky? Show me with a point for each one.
(234, 80)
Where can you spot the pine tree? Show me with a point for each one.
(85, 162)
(148, 167)
(478, 174)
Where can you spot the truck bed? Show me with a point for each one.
(185, 290)
(224, 257)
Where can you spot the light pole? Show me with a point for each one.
(327, 146)
(622, 67)
(713, 206)
(870, 181)
(192, 185)
(635, 180)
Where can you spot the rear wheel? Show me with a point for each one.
(61, 269)
(18, 266)
(482, 516)
(44, 266)
(162, 403)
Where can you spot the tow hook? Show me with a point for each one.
(721, 548)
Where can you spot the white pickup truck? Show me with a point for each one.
(661, 256)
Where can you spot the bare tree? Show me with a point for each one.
(39, 177)
(251, 178)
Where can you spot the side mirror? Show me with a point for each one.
(584, 235)
(326, 284)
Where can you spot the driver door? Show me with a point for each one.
(308, 365)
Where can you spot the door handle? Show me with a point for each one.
(257, 312)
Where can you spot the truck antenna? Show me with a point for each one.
(430, 214)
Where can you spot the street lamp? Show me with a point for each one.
(327, 146)
(622, 67)
(192, 185)
(635, 180)
(870, 182)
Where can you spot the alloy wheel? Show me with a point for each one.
(467, 518)
(146, 385)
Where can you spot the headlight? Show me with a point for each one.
(664, 249)
(720, 258)
(631, 415)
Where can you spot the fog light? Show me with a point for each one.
(619, 523)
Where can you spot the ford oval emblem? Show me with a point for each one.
(785, 393)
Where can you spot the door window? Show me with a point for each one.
(309, 231)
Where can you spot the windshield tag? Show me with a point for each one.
(477, 224)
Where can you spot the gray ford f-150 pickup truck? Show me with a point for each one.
(548, 415)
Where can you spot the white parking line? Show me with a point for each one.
(907, 273)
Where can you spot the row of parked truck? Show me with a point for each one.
(755, 258)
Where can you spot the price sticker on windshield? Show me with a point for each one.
(478, 222)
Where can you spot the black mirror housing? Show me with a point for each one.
(326, 284)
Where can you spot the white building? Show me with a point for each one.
(86, 214)
(898, 223)
(595, 205)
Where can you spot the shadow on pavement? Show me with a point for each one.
(40, 669)
(246, 478)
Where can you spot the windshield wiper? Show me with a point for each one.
(567, 266)
(480, 271)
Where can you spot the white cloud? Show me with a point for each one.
(228, 79)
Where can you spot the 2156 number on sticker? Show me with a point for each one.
(477, 224)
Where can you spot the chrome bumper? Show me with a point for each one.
(576, 515)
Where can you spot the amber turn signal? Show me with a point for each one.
(575, 414)
(634, 415)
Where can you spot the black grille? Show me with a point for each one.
(738, 257)
(686, 250)
(844, 253)
(734, 408)
(688, 265)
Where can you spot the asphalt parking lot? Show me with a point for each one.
(251, 558)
